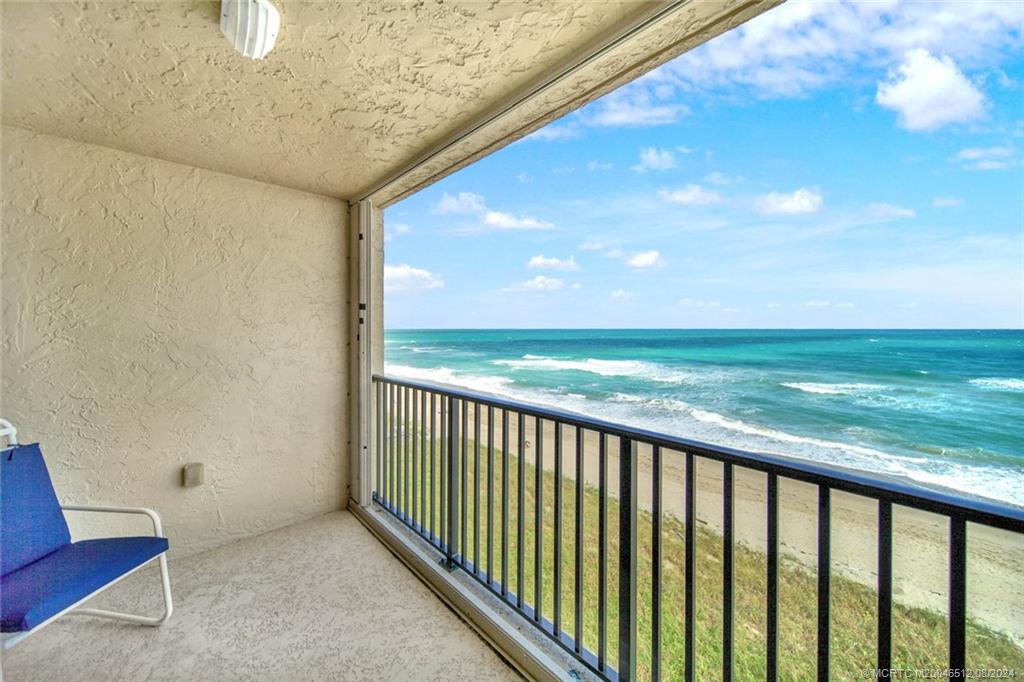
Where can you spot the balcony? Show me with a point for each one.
(315, 600)
(192, 273)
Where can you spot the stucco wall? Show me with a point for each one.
(156, 314)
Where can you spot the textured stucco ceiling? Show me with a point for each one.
(351, 92)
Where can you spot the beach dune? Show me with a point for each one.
(995, 579)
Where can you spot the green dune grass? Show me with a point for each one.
(919, 636)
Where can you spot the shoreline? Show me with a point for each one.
(995, 574)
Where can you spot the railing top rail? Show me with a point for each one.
(975, 510)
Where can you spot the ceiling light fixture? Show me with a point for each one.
(250, 25)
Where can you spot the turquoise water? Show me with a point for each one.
(941, 408)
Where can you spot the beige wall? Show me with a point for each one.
(156, 314)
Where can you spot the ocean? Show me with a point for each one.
(936, 408)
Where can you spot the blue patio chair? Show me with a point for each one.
(44, 574)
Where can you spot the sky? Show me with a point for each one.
(826, 165)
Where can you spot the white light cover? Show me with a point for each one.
(250, 25)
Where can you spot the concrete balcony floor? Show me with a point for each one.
(319, 600)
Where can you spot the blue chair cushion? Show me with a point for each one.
(44, 588)
(31, 521)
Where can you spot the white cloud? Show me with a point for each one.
(682, 149)
(395, 230)
(621, 294)
(801, 201)
(614, 253)
(690, 195)
(542, 262)
(805, 45)
(470, 203)
(818, 304)
(986, 158)
(655, 158)
(694, 303)
(506, 221)
(538, 283)
(946, 202)
(407, 278)
(632, 105)
(645, 259)
(978, 153)
(524, 178)
(554, 133)
(592, 245)
(883, 211)
(718, 178)
(929, 92)
(463, 202)
(988, 164)
(598, 166)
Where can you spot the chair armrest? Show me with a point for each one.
(153, 516)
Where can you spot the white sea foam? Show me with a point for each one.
(999, 383)
(445, 375)
(783, 437)
(835, 389)
(606, 368)
(424, 349)
(683, 419)
(674, 416)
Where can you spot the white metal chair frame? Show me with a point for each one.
(10, 639)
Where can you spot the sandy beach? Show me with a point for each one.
(995, 578)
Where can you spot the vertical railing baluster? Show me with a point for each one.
(957, 597)
(414, 452)
(690, 570)
(464, 501)
(390, 462)
(627, 559)
(727, 569)
(557, 587)
(490, 494)
(602, 552)
(403, 416)
(824, 574)
(453, 481)
(656, 491)
(433, 463)
(442, 455)
(441, 467)
(538, 520)
(578, 616)
(772, 569)
(520, 509)
(504, 503)
(377, 481)
(423, 462)
(398, 430)
(884, 585)
(476, 488)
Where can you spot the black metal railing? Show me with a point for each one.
(468, 473)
